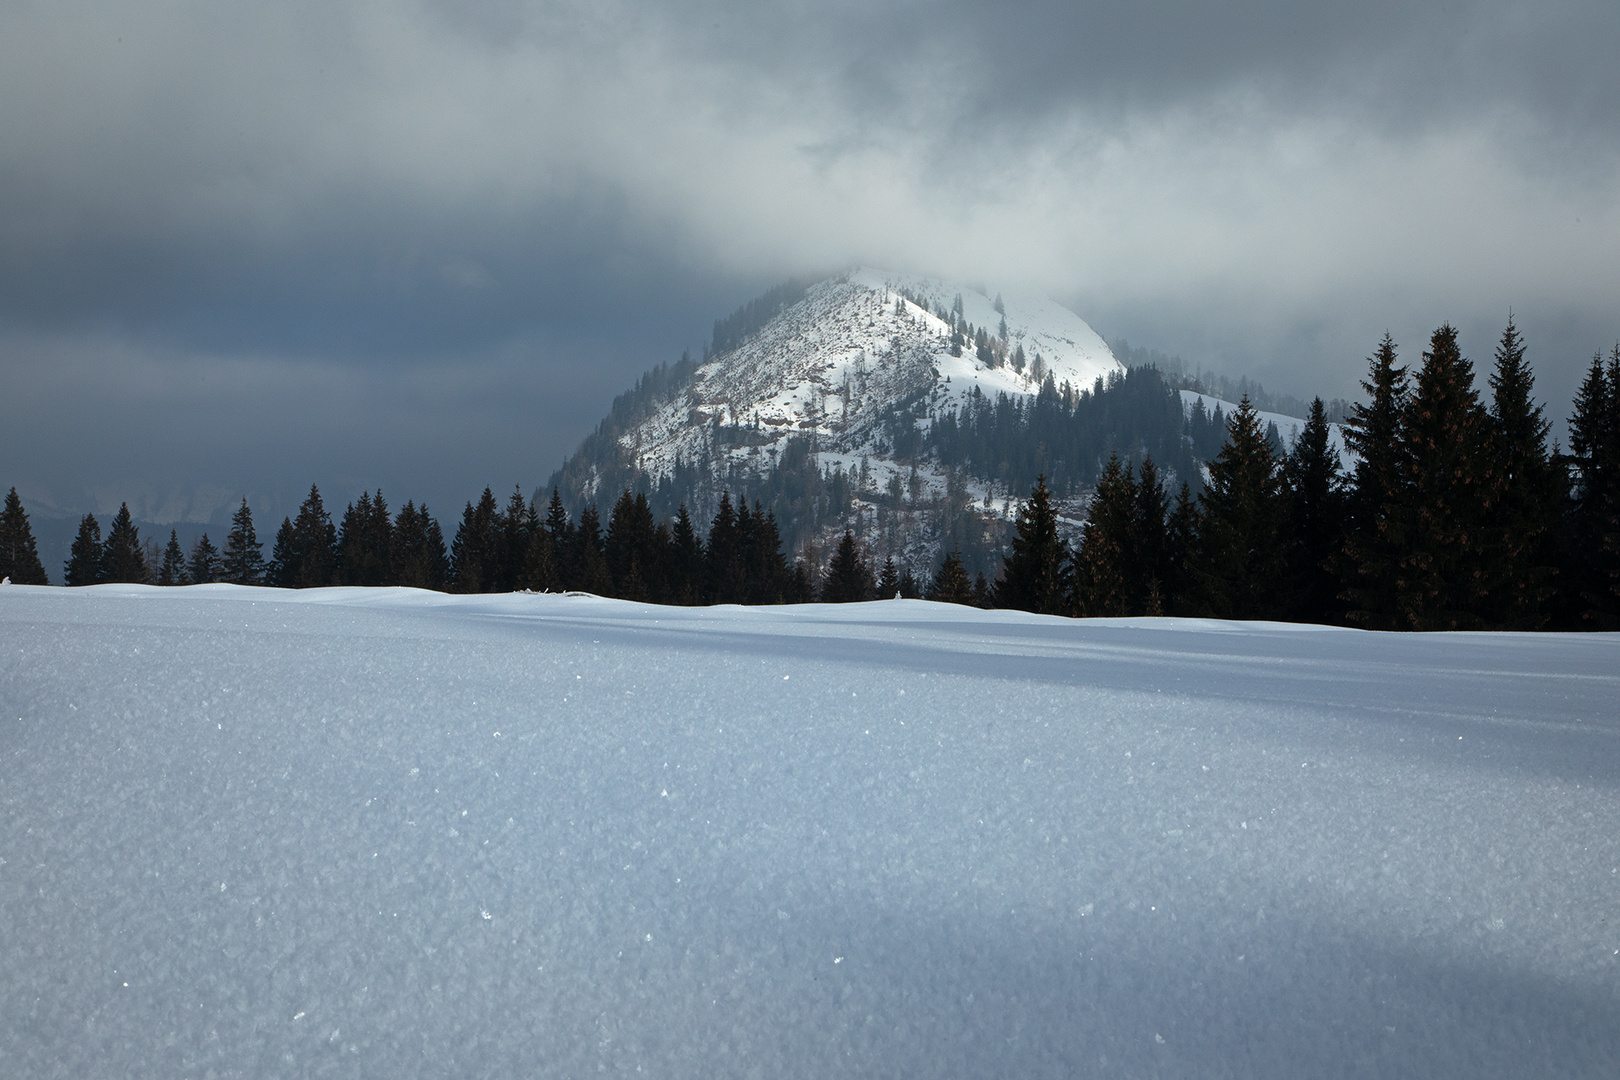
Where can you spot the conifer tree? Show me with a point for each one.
(1101, 569)
(849, 579)
(766, 567)
(950, 584)
(683, 566)
(204, 567)
(19, 554)
(84, 559)
(908, 585)
(1035, 575)
(888, 584)
(984, 594)
(243, 561)
(589, 561)
(173, 569)
(1591, 592)
(539, 571)
(1442, 580)
(1316, 521)
(364, 540)
(1182, 532)
(1150, 535)
(1240, 556)
(1522, 527)
(722, 557)
(418, 556)
(1376, 535)
(283, 557)
(314, 544)
(631, 548)
(475, 553)
(122, 559)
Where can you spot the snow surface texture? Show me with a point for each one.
(387, 833)
(832, 365)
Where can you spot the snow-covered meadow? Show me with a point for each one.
(387, 833)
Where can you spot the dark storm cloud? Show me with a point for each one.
(479, 221)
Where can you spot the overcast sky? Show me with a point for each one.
(421, 245)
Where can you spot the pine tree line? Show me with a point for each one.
(1457, 516)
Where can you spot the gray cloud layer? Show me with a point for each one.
(420, 245)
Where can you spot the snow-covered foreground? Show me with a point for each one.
(387, 833)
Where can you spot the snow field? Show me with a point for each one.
(392, 833)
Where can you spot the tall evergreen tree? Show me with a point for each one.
(561, 531)
(475, 553)
(849, 578)
(122, 559)
(683, 562)
(1592, 595)
(283, 557)
(1316, 521)
(589, 560)
(205, 567)
(243, 560)
(888, 583)
(1442, 582)
(1522, 526)
(314, 544)
(1240, 556)
(84, 559)
(1035, 575)
(539, 571)
(364, 542)
(631, 548)
(950, 584)
(19, 555)
(766, 567)
(1101, 569)
(420, 560)
(1151, 538)
(723, 557)
(173, 569)
(1370, 571)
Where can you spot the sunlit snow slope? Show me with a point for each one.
(394, 834)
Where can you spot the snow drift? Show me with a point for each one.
(389, 833)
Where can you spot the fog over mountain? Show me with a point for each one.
(421, 247)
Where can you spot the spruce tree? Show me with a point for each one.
(683, 561)
(1593, 596)
(19, 555)
(243, 561)
(364, 542)
(888, 584)
(561, 531)
(722, 557)
(631, 548)
(173, 569)
(1035, 575)
(849, 579)
(122, 559)
(204, 567)
(418, 560)
(84, 558)
(1376, 538)
(589, 561)
(1316, 522)
(539, 571)
(283, 557)
(1240, 560)
(1150, 536)
(1522, 526)
(950, 584)
(475, 553)
(766, 567)
(315, 544)
(1101, 568)
(1182, 540)
(1442, 579)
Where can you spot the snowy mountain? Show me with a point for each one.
(851, 373)
(388, 833)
